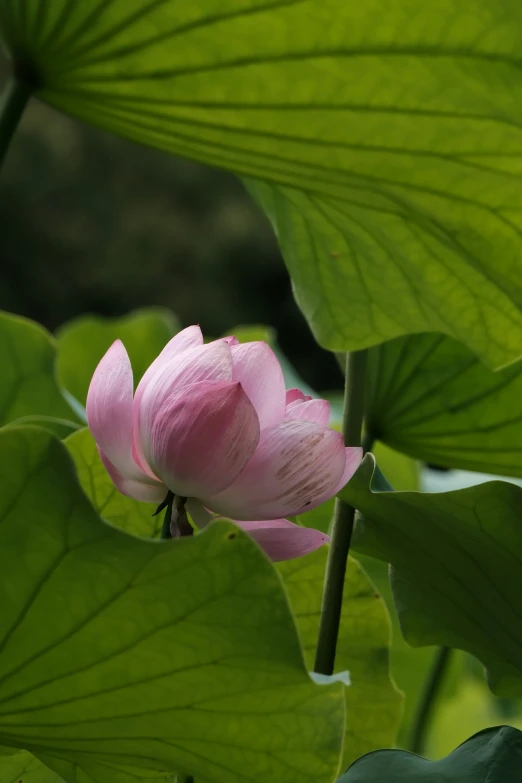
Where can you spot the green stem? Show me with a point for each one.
(165, 530)
(428, 700)
(12, 104)
(367, 442)
(344, 515)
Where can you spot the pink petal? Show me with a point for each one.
(148, 491)
(201, 437)
(188, 338)
(256, 367)
(212, 362)
(293, 395)
(282, 540)
(230, 340)
(354, 456)
(109, 408)
(311, 410)
(296, 467)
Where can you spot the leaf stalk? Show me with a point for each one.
(344, 514)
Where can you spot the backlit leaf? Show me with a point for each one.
(383, 140)
(131, 653)
(373, 705)
(457, 560)
(430, 397)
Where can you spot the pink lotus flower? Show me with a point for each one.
(214, 424)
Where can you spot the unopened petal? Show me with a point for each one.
(309, 410)
(257, 368)
(146, 490)
(230, 340)
(188, 338)
(212, 362)
(201, 437)
(296, 467)
(109, 408)
(280, 539)
(293, 395)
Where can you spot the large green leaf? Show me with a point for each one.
(124, 652)
(458, 566)
(83, 341)
(89, 771)
(383, 141)
(373, 705)
(492, 756)
(430, 397)
(23, 767)
(130, 515)
(28, 385)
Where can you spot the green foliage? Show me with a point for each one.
(469, 709)
(430, 397)
(130, 515)
(83, 342)
(59, 427)
(457, 559)
(492, 756)
(128, 653)
(23, 767)
(385, 149)
(33, 770)
(373, 706)
(28, 386)
(89, 771)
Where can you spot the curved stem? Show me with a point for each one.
(343, 521)
(428, 700)
(12, 104)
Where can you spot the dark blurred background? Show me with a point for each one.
(92, 223)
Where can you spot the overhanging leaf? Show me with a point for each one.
(373, 706)
(127, 514)
(492, 756)
(161, 655)
(431, 398)
(28, 385)
(83, 341)
(457, 559)
(385, 142)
